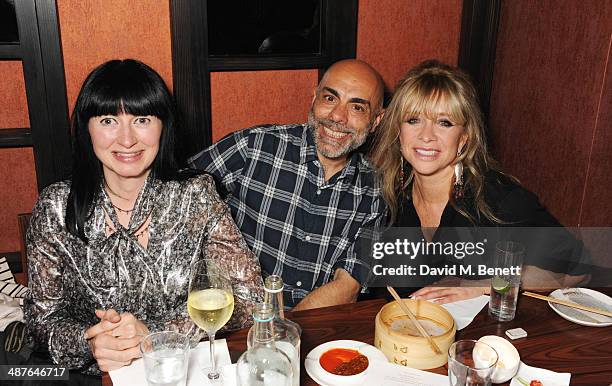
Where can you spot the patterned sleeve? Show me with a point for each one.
(224, 160)
(47, 311)
(227, 248)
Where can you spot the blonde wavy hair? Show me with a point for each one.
(422, 89)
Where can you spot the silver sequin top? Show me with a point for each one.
(69, 279)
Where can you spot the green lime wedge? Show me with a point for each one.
(500, 285)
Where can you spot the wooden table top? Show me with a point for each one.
(552, 343)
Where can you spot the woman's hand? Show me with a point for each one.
(442, 295)
(130, 327)
(452, 289)
(112, 352)
(109, 319)
(114, 341)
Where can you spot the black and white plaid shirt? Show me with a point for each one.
(300, 226)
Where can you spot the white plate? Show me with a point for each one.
(584, 318)
(324, 378)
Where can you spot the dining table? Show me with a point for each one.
(552, 343)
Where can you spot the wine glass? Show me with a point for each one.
(210, 303)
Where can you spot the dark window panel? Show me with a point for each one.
(264, 27)
(8, 22)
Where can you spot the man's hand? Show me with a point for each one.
(114, 341)
(341, 290)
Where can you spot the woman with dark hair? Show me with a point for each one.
(436, 172)
(109, 251)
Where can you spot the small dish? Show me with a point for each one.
(586, 297)
(325, 378)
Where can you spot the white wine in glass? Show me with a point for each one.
(210, 304)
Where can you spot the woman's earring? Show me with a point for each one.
(458, 184)
(401, 175)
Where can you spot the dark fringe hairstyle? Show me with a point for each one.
(117, 86)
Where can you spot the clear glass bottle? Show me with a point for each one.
(263, 364)
(286, 332)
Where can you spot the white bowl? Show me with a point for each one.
(509, 358)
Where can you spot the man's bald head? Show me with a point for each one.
(358, 72)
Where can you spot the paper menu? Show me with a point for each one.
(390, 374)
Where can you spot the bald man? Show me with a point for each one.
(303, 194)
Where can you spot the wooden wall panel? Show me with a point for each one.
(17, 195)
(546, 88)
(94, 31)
(14, 111)
(393, 35)
(597, 198)
(246, 98)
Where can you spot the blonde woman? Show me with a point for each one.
(432, 157)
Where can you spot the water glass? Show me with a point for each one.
(471, 363)
(509, 257)
(166, 357)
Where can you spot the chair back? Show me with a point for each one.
(24, 221)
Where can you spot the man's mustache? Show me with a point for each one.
(334, 125)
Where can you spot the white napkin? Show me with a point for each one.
(547, 377)
(199, 358)
(10, 311)
(464, 311)
(390, 374)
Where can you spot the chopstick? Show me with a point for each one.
(414, 320)
(569, 304)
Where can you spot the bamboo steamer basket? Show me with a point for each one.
(414, 351)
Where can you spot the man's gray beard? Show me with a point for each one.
(354, 145)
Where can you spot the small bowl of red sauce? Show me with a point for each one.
(344, 361)
(341, 362)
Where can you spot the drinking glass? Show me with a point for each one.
(210, 304)
(471, 363)
(166, 356)
(509, 256)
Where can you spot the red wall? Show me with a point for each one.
(596, 206)
(94, 31)
(17, 176)
(551, 104)
(394, 35)
(247, 98)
